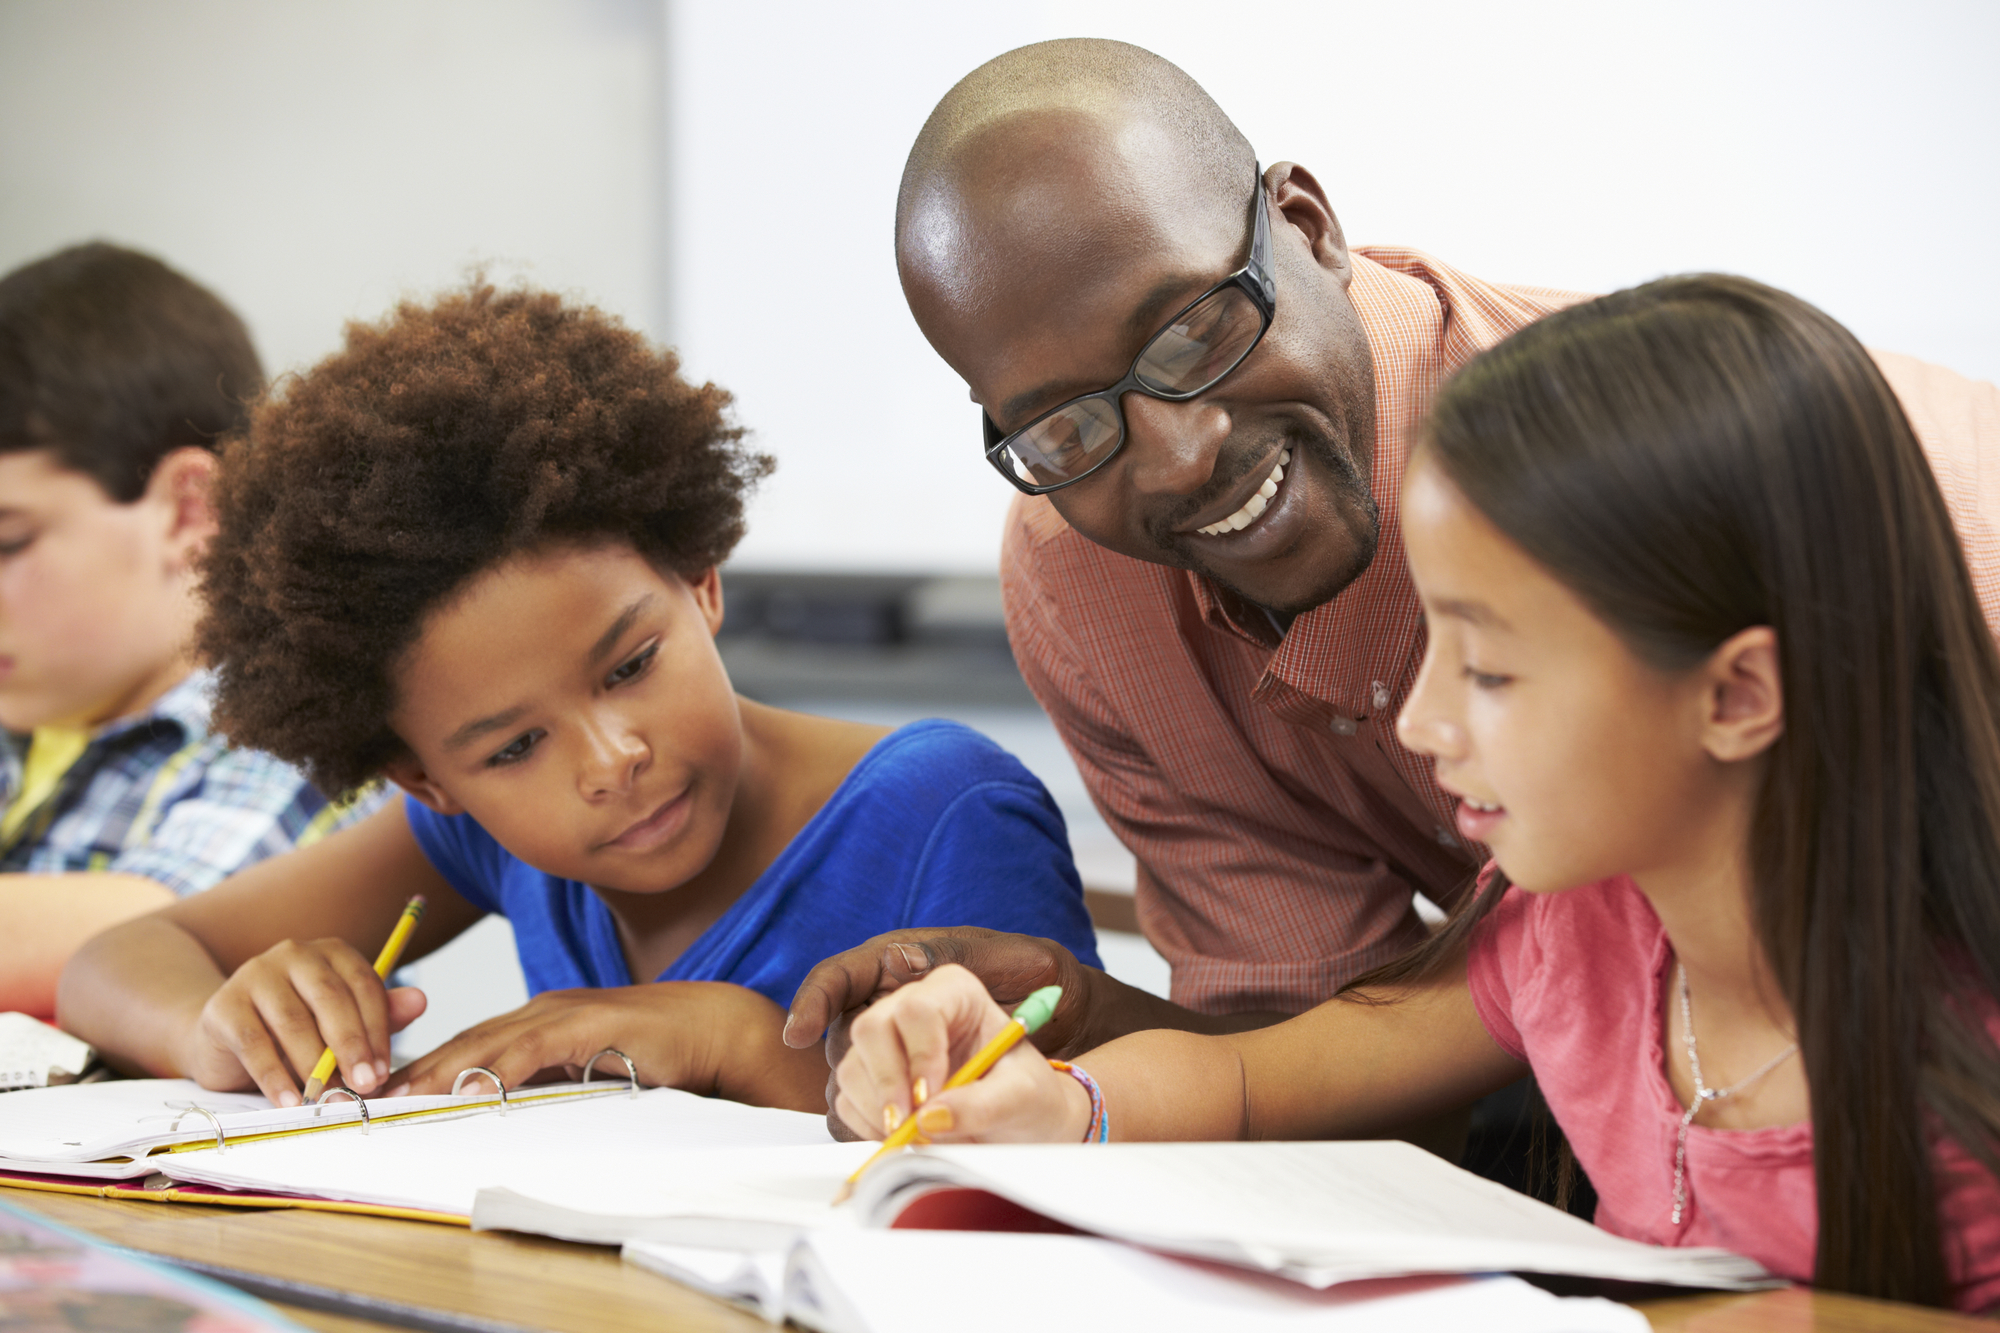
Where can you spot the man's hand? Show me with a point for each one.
(705, 1036)
(1095, 1008)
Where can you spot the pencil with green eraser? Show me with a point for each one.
(1029, 1017)
(385, 963)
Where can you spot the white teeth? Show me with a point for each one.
(1481, 806)
(1255, 505)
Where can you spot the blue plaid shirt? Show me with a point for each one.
(160, 795)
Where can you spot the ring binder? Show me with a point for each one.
(196, 1108)
(631, 1070)
(465, 1074)
(366, 1128)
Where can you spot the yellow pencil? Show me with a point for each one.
(1029, 1017)
(385, 963)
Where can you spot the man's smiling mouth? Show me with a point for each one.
(1254, 507)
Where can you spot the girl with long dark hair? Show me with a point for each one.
(1707, 672)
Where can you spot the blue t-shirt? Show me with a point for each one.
(936, 826)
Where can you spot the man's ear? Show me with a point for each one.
(1743, 696)
(1304, 205)
(408, 774)
(707, 589)
(182, 488)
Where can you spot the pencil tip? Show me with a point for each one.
(313, 1089)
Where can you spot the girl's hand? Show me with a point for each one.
(269, 1022)
(907, 1044)
(704, 1036)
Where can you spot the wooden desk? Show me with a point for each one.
(500, 1281)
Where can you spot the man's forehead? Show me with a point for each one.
(1076, 252)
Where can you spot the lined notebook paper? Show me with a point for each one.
(35, 1055)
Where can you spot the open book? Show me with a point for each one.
(1313, 1213)
(864, 1281)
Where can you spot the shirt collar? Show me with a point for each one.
(1351, 652)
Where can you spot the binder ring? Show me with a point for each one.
(221, 1142)
(345, 1092)
(465, 1074)
(631, 1070)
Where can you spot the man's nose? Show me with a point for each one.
(1173, 445)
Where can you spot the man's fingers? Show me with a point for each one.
(834, 986)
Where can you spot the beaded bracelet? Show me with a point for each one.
(1099, 1128)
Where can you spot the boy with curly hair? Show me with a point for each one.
(117, 375)
(475, 552)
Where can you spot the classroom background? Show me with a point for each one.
(723, 176)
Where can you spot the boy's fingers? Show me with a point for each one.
(406, 1005)
(236, 1025)
(371, 1000)
(333, 1019)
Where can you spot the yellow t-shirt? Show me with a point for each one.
(52, 752)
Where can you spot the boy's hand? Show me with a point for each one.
(704, 1036)
(268, 1023)
(908, 1043)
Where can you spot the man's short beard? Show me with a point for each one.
(1351, 491)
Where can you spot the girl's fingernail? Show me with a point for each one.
(891, 1117)
(364, 1075)
(936, 1120)
(288, 1098)
(920, 1091)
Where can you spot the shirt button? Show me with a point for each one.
(1381, 696)
(1344, 726)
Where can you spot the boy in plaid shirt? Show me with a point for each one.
(117, 375)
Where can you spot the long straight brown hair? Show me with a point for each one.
(1703, 454)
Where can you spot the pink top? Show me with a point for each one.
(1575, 984)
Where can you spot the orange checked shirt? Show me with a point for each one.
(1279, 827)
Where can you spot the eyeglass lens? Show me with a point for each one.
(1205, 343)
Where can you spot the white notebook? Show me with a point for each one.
(920, 1281)
(141, 1128)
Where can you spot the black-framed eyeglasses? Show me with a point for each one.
(1191, 355)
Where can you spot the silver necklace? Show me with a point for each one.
(1704, 1094)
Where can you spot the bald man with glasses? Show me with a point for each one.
(1205, 398)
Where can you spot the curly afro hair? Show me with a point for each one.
(434, 446)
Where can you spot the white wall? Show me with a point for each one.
(1845, 151)
(314, 161)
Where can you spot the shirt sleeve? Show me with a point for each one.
(460, 850)
(242, 807)
(1492, 966)
(1957, 421)
(998, 856)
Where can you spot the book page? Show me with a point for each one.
(915, 1281)
(1316, 1212)
(739, 1198)
(601, 1143)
